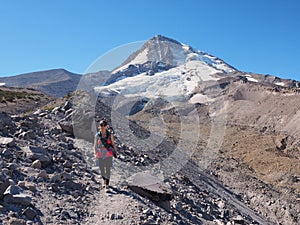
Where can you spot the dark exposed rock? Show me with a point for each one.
(30, 213)
(18, 199)
(4, 184)
(149, 186)
(66, 126)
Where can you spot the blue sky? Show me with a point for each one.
(260, 36)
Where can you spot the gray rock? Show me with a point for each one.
(178, 206)
(119, 217)
(56, 110)
(72, 185)
(60, 177)
(66, 126)
(6, 153)
(149, 186)
(4, 184)
(2, 209)
(30, 213)
(221, 204)
(5, 171)
(16, 221)
(43, 174)
(65, 215)
(238, 219)
(147, 211)
(13, 190)
(31, 178)
(35, 153)
(36, 164)
(10, 142)
(18, 199)
(27, 135)
(112, 216)
(68, 105)
(12, 166)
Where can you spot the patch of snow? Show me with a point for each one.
(179, 54)
(280, 84)
(250, 78)
(186, 47)
(2, 84)
(289, 94)
(141, 58)
(215, 62)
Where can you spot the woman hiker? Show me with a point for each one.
(105, 149)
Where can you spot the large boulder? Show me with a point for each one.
(15, 195)
(66, 126)
(150, 186)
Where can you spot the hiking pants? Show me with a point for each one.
(105, 166)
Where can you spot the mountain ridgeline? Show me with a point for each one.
(56, 82)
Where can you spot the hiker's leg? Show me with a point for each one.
(102, 169)
(108, 166)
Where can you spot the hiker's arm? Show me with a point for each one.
(113, 143)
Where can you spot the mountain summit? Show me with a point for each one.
(164, 50)
(163, 66)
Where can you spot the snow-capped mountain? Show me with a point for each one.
(164, 67)
(167, 51)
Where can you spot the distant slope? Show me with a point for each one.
(56, 82)
(22, 100)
